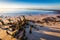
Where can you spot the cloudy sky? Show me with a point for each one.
(7, 6)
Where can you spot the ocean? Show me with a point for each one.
(28, 12)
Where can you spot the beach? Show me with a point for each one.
(49, 31)
(45, 27)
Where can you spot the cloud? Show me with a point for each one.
(14, 7)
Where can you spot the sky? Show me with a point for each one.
(33, 1)
(7, 6)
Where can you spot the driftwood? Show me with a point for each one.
(15, 28)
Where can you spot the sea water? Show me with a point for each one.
(27, 12)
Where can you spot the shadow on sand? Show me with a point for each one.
(40, 35)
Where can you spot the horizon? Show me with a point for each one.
(17, 5)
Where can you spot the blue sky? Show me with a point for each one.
(34, 1)
(13, 5)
